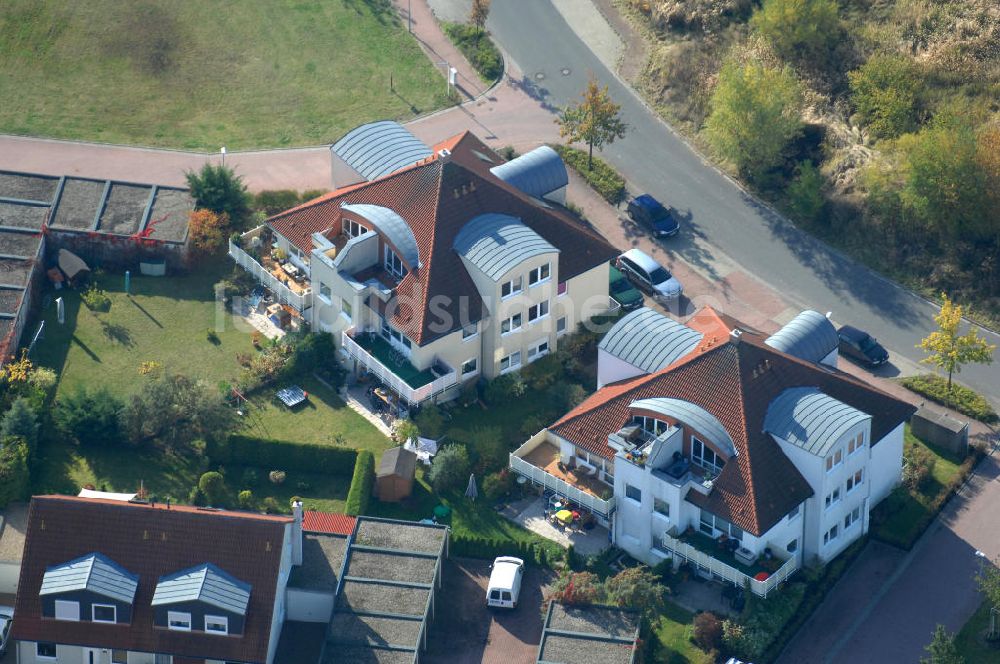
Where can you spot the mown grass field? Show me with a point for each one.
(199, 75)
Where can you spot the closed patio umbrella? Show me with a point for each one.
(472, 491)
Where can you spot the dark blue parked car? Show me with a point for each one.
(652, 214)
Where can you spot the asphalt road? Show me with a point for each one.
(557, 65)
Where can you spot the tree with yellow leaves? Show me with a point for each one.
(948, 349)
(594, 121)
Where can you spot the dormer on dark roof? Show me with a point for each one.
(201, 598)
(89, 588)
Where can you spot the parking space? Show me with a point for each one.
(465, 631)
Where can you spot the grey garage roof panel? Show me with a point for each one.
(809, 336)
(648, 340)
(809, 419)
(203, 583)
(94, 573)
(392, 226)
(693, 415)
(536, 173)
(379, 148)
(495, 243)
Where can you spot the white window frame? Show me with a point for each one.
(346, 310)
(120, 660)
(221, 619)
(535, 275)
(834, 460)
(55, 648)
(516, 286)
(389, 263)
(665, 504)
(539, 314)
(832, 498)
(328, 298)
(638, 500)
(348, 226)
(475, 370)
(93, 613)
(855, 480)
(536, 351)
(832, 534)
(856, 444)
(852, 518)
(700, 460)
(472, 335)
(511, 366)
(512, 327)
(67, 604)
(792, 546)
(179, 616)
(564, 323)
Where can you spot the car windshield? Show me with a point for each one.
(867, 343)
(658, 212)
(659, 275)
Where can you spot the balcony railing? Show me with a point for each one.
(282, 293)
(687, 552)
(412, 395)
(539, 476)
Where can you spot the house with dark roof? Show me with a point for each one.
(123, 582)
(744, 455)
(434, 266)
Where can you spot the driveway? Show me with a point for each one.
(465, 631)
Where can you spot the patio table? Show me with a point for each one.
(292, 396)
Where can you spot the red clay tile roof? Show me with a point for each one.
(762, 485)
(151, 542)
(436, 198)
(327, 523)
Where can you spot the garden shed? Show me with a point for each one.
(394, 479)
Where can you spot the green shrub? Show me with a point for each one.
(544, 371)
(497, 485)
(966, 401)
(886, 91)
(360, 493)
(21, 421)
(504, 388)
(470, 545)
(478, 49)
(805, 193)
(430, 422)
(14, 478)
(604, 179)
(95, 299)
(89, 417)
(273, 201)
(566, 396)
(918, 467)
(450, 469)
(243, 450)
(219, 189)
(707, 631)
(246, 499)
(799, 29)
(271, 505)
(250, 477)
(213, 486)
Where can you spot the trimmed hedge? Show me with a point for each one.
(603, 178)
(474, 546)
(966, 401)
(360, 493)
(282, 455)
(478, 49)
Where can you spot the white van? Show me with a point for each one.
(505, 582)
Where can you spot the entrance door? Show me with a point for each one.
(92, 656)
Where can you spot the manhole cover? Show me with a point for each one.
(565, 71)
(539, 75)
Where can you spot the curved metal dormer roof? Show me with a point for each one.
(392, 226)
(94, 573)
(809, 336)
(203, 583)
(379, 148)
(692, 415)
(536, 173)
(810, 419)
(495, 243)
(648, 340)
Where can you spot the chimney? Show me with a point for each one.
(297, 532)
(444, 155)
(735, 335)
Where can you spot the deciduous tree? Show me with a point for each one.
(942, 649)
(886, 91)
(948, 349)
(176, 410)
(799, 29)
(208, 231)
(756, 112)
(479, 13)
(595, 120)
(89, 417)
(450, 469)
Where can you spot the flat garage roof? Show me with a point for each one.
(588, 635)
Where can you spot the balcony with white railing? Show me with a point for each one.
(538, 461)
(394, 370)
(685, 551)
(294, 291)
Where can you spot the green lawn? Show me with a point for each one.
(971, 642)
(903, 516)
(239, 73)
(671, 638)
(166, 319)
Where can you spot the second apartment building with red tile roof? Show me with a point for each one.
(434, 266)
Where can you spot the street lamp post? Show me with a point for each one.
(223, 151)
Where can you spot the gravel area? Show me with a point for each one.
(351, 629)
(124, 209)
(78, 204)
(322, 558)
(13, 243)
(565, 650)
(6, 325)
(15, 522)
(391, 567)
(359, 655)
(169, 217)
(593, 621)
(382, 598)
(14, 272)
(28, 187)
(400, 536)
(23, 216)
(10, 300)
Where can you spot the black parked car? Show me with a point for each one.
(649, 212)
(861, 346)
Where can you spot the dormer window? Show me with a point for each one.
(103, 613)
(92, 588)
(201, 599)
(67, 610)
(352, 228)
(179, 621)
(394, 264)
(704, 456)
(650, 425)
(217, 624)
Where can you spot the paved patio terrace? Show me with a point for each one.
(546, 457)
